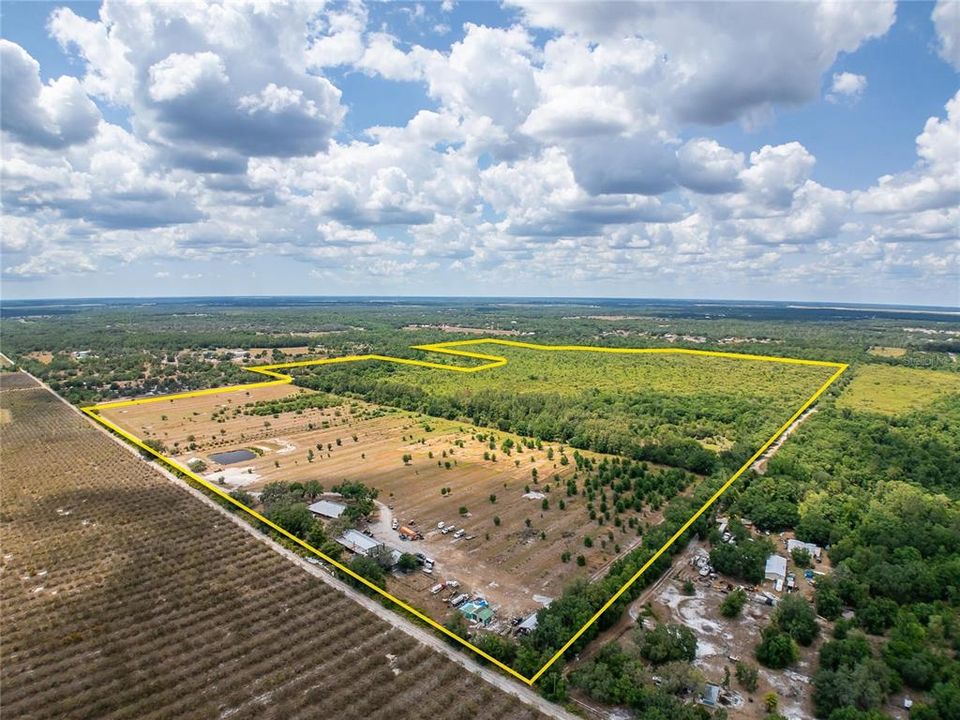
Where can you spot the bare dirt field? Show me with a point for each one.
(891, 352)
(511, 550)
(125, 596)
(43, 357)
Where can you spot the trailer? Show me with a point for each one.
(409, 533)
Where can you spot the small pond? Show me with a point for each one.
(233, 456)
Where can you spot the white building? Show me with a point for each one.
(528, 625)
(357, 542)
(814, 550)
(776, 569)
(327, 509)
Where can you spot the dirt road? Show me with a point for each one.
(760, 466)
(629, 618)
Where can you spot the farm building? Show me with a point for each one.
(776, 570)
(811, 548)
(528, 625)
(711, 695)
(327, 509)
(477, 612)
(359, 543)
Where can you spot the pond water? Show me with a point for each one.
(233, 456)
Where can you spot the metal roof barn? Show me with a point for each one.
(327, 509)
(358, 542)
(811, 548)
(776, 568)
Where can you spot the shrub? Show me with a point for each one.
(796, 617)
(748, 676)
(667, 643)
(733, 603)
(776, 649)
(801, 557)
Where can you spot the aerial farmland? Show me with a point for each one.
(524, 533)
(127, 596)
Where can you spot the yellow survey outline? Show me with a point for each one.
(490, 362)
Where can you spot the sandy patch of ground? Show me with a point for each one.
(42, 357)
(722, 641)
(233, 477)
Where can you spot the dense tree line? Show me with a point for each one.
(922, 446)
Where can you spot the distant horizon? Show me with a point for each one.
(538, 299)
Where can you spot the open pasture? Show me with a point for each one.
(893, 390)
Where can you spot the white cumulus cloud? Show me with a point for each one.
(847, 87)
(54, 115)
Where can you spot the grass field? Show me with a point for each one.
(889, 352)
(509, 562)
(125, 597)
(894, 390)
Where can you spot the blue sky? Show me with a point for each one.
(776, 151)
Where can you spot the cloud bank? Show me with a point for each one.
(574, 147)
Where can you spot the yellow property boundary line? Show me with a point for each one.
(489, 362)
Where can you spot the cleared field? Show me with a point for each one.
(894, 390)
(43, 357)
(891, 352)
(125, 597)
(515, 546)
